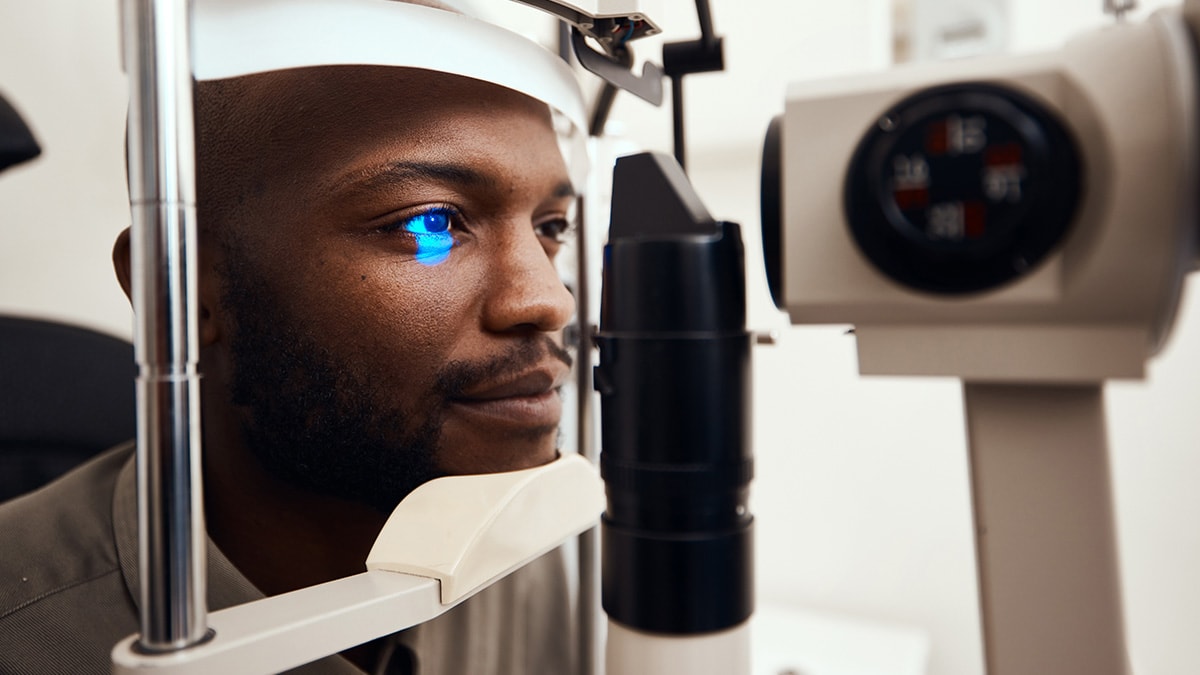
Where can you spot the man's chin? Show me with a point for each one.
(463, 452)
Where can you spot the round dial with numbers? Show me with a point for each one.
(961, 189)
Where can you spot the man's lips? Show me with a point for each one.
(530, 383)
(530, 400)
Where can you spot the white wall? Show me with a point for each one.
(862, 498)
(60, 66)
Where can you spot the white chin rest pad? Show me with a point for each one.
(467, 531)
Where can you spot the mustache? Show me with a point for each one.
(460, 376)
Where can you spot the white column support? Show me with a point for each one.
(632, 652)
(1049, 587)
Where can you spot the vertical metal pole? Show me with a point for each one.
(677, 117)
(162, 200)
(704, 14)
(589, 553)
(1119, 8)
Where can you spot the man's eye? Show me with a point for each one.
(554, 229)
(431, 232)
(436, 221)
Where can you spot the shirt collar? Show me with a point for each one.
(226, 585)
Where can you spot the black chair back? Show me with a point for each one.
(16, 140)
(66, 394)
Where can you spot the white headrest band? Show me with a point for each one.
(241, 37)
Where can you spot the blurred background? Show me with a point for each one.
(862, 492)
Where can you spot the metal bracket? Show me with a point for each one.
(648, 86)
(613, 25)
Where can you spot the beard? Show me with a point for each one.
(320, 421)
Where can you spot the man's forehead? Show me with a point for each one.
(330, 129)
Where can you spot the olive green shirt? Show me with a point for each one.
(69, 583)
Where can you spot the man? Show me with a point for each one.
(378, 306)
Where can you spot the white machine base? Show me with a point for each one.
(631, 652)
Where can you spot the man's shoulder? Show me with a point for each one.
(58, 558)
(65, 526)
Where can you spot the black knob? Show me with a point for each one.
(962, 188)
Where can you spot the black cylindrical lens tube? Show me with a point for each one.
(675, 386)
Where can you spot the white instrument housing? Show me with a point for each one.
(1094, 308)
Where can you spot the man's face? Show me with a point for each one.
(391, 307)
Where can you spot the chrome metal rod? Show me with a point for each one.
(704, 14)
(589, 542)
(589, 603)
(677, 120)
(163, 245)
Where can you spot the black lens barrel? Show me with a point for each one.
(675, 385)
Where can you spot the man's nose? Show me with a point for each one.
(525, 291)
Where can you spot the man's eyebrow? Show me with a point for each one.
(459, 175)
(400, 173)
(564, 190)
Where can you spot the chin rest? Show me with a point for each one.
(466, 531)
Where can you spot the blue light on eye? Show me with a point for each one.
(434, 241)
(430, 222)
